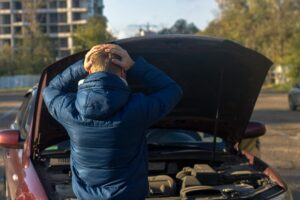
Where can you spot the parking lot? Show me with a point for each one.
(280, 147)
(281, 144)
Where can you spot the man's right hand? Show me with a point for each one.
(125, 62)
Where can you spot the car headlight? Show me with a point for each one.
(285, 196)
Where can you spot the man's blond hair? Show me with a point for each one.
(102, 62)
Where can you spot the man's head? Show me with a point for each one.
(108, 58)
(102, 62)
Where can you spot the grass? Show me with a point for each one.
(10, 90)
(278, 87)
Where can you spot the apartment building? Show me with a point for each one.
(57, 18)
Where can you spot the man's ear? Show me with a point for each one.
(90, 70)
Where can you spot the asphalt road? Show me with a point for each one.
(280, 147)
(9, 104)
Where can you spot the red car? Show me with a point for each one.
(193, 152)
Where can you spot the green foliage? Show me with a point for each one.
(180, 27)
(92, 33)
(268, 26)
(35, 52)
(7, 63)
(294, 58)
(30, 56)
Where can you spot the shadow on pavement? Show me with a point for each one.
(279, 116)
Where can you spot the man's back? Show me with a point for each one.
(107, 125)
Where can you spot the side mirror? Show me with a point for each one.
(10, 138)
(254, 129)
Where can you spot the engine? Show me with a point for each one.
(172, 180)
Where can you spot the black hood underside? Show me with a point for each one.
(220, 79)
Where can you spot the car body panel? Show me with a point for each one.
(21, 176)
(231, 76)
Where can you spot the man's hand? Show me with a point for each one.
(125, 62)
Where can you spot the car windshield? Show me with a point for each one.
(169, 136)
(162, 137)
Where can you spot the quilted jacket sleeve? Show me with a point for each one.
(60, 94)
(165, 93)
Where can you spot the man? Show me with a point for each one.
(107, 123)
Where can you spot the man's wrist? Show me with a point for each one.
(132, 63)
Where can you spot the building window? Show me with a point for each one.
(4, 19)
(17, 18)
(63, 42)
(43, 5)
(53, 4)
(53, 18)
(53, 29)
(4, 5)
(98, 5)
(64, 29)
(5, 30)
(42, 18)
(5, 42)
(62, 17)
(76, 16)
(76, 4)
(62, 4)
(18, 30)
(43, 29)
(17, 5)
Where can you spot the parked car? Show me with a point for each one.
(193, 152)
(294, 97)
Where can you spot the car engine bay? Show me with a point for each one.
(232, 178)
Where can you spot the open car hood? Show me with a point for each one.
(220, 79)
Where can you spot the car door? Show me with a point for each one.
(12, 156)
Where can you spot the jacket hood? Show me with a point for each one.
(101, 95)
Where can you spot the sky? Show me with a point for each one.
(125, 17)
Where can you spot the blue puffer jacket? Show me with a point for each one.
(107, 124)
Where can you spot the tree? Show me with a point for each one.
(294, 58)
(92, 33)
(35, 52)
(267, 26)
(181, 27)
(7, 64)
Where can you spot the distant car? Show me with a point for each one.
(193, 152)
(294, 97)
